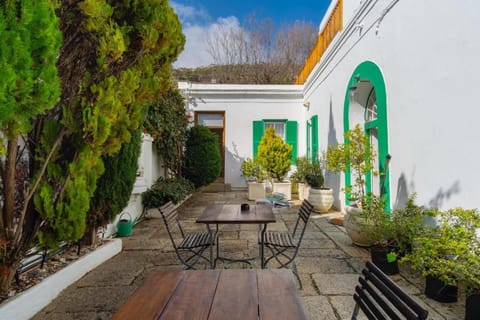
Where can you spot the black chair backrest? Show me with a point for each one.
(170, 217)
(303, 216)
(381, 298)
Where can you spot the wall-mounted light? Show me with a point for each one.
(306, 104)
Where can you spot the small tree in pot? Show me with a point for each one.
(354, 155)
(255, 175)
(274, 155)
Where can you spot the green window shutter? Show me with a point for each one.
(257, 135)
(291, 138)
(314, 121)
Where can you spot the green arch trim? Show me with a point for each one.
(368, 70)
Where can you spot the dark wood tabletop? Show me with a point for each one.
(215, 294)
(231, 213)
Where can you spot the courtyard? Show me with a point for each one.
(328, 265)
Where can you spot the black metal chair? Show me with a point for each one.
(191, 247)
(381, 298)
(284, 246)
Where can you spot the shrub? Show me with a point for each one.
(165, 190)
(114, 187)
(274, 155)
(202, 160)
(252, 170)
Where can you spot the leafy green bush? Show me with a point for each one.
(114, 187)
(274, 155)
(165, 190)
(202, 160)
(407, 223)
(252, 170)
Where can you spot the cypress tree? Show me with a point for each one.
(202, 156)
(114, 187)
(115, 59)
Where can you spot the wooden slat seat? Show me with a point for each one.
(284, 246)
(190, 248)
(195, 240)
(279, 239)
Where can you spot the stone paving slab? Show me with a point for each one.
(336, 284)
(318, 308)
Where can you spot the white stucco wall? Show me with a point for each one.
(244, 104)
(427, 51)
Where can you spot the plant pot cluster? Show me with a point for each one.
(448, 255)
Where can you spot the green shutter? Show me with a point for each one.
(291, 138)
(314, 121)
(257, 135)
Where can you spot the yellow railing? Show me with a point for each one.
(334, 24)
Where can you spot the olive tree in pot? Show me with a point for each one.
(255, 175)
(354, 155)
(448, 255)
(319, 196)
(274, 156)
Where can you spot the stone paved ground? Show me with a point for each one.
(328, 264)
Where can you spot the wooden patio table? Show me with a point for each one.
(232, 214)
(215, 294)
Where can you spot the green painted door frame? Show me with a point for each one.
(369, 71)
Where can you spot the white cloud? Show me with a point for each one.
(197, 25)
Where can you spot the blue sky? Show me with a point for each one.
(198, 18)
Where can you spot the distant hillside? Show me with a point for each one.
(265, 73)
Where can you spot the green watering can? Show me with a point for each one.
(124, 226)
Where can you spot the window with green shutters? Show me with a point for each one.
(290, 131)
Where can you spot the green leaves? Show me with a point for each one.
(274, 154)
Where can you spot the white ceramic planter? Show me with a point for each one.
(303, 190)
(283, 187)
(256, 190)
(321, 199)
(351, 222)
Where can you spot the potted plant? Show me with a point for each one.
(255, 175)
(379, 229)
(353, 155)
(320, 197)
(274, 155)
(448, 254)
(304, 167)
(407, 222)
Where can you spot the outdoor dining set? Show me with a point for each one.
(233, 293)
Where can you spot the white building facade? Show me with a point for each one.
(407, 71)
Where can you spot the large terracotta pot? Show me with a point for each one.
(351, 222)
(321, 199)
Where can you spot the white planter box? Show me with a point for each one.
(283, 187)
(31, 301)
(256, 190)
(303, 191)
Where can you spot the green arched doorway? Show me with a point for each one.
(366, 104)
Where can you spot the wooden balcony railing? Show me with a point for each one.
(334, 25)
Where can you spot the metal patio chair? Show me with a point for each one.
(381, 298)
(284, 246)
(190, 249)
